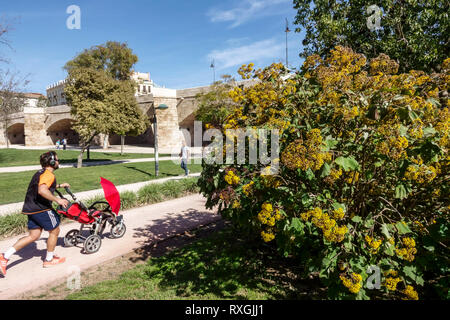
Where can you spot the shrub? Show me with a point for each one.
(363, 176)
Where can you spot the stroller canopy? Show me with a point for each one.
(111, 194)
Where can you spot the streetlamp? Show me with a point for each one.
(155, 132)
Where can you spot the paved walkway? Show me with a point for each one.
(112, 148)
(145, 226)
(90, 164)
(85, 195)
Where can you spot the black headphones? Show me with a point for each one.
(52, 161)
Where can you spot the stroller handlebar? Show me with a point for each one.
(70, 192)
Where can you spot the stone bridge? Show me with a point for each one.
(44, 126)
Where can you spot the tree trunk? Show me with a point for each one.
(122, 141)
(83, 148)
(105, 141)
(80, 159)
(5, 132)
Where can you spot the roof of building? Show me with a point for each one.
(33, 95)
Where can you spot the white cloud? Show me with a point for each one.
(255, 52)
(247, 10)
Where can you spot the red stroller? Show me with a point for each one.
(95, 218)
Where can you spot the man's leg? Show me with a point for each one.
(34, 235)
(51, 258)
(52, 239)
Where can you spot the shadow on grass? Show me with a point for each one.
(224, 265)
(152, 174)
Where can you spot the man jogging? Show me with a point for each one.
(38, 207)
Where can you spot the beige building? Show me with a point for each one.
(44, 126)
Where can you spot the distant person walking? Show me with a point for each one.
(58, 144)
(64, 142)
(38, 207)
(185, 154)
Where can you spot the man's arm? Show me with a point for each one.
(45, 193)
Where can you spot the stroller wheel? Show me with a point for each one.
(71, 238)
(92, 244)
(118, 230)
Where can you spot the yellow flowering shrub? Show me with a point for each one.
(363, 175)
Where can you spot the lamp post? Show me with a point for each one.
(155, 131)
(287, 30)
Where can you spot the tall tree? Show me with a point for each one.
(11, 98)
(215, 104)
(101, 104)
(5, 27)
(413, 32)
(115, 58)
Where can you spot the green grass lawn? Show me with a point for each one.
(224, 265)
(13, 186)
(16, 157)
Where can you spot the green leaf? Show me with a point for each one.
(385, 230)
(297, 225)
(389, 249)
(369, 223)
(330, 142)
(326, 169)
(347, 163)
(403, 130)
(429, 131)
(400, 192)
(412, 273)
(402, 228)
(310, 174)
(357, 219)
(412, 115)
(337, 205)
(306, 200)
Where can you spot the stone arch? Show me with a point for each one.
(187, 128)
(147, 138)
(16, 133)
(63, 129)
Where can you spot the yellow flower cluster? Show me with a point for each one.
(247, 189)
(333, 176)
(383, 65)
(331, 231)
(231, 178)
(373, 244)
(353, 177)
(245, 70)
(236, 204)
(306, 155)
(338, 214)
(410, 293)
(346, 113)
(421, 174)
(394, 148)
(416, 131)
(267, 236)
(236, 94)
(391, 282)
(408, 251)
(270, 181)
(353, 283)
(269, 216)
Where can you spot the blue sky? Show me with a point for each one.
(174, 40)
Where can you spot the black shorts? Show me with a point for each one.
(47, 220)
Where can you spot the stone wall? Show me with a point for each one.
(42, 126)
(35, 130)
